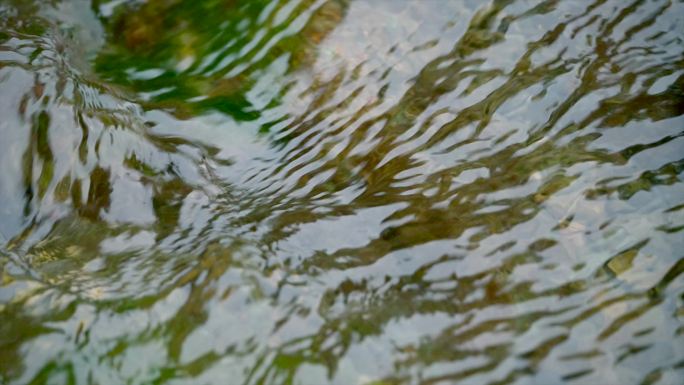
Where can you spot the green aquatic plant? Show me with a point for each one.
(190, 58)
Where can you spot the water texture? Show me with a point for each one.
(370, 192)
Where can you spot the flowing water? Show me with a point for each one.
(342, 191)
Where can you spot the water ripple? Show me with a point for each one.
(341, 191)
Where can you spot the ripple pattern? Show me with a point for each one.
(365, 192)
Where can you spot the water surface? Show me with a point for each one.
(365, 192)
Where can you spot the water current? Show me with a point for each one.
(372, 192)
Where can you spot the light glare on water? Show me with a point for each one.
(365, 192)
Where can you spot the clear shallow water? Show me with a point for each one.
(346, 192)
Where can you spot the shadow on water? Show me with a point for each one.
(341, 191)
